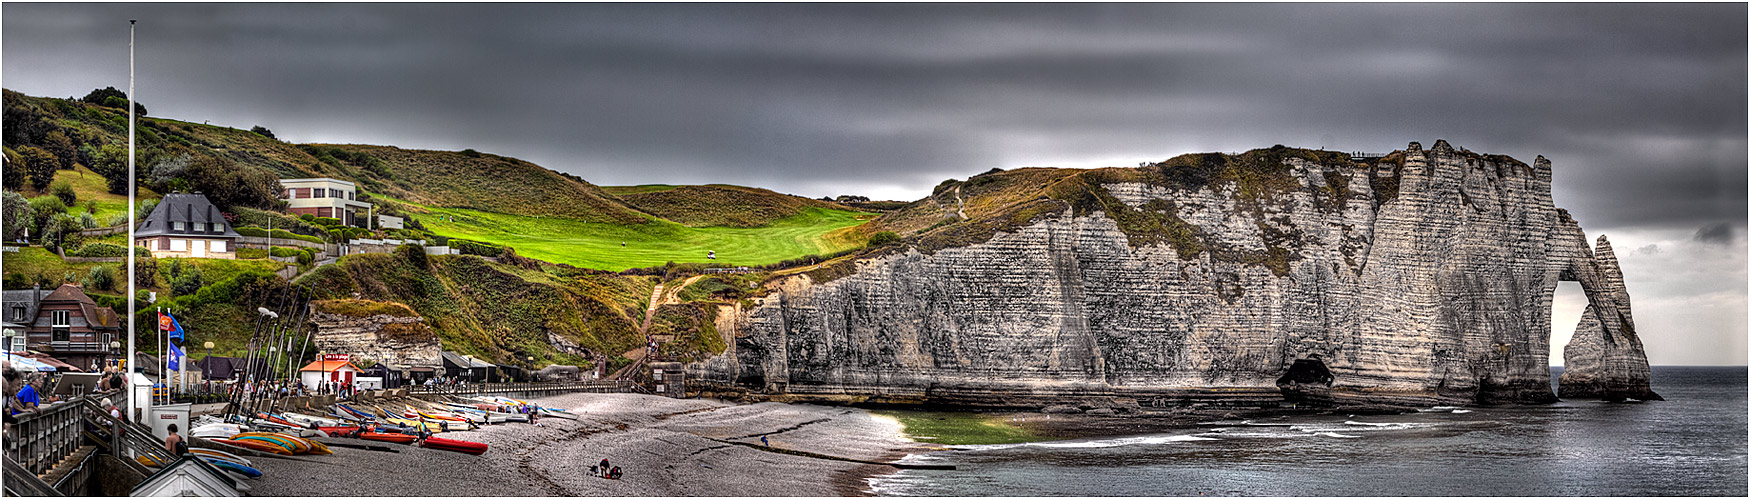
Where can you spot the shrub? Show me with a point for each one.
(251, 253)
(305, 257)
(100, 278)
(471, 153)
(146, 208)
(188, 282)
(467, 247)
(100, 250)
(326, 221)
(414, 255)
(263, 131)
(145, 270)
(87, 221)
(283, 252)
(69, 277)
(43, 209)
(307, 217)
(91, 207)
(116, 219)
(883, 238)
(64, 191)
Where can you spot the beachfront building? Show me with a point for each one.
(187, 225)
(18, 313)
(67, 325)
(336, 372)
(325, 197)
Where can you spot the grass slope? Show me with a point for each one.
(715, 205)
(492, 183)
(598, 246)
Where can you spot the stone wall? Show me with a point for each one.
(1441, 294)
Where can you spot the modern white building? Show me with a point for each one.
(325, 197)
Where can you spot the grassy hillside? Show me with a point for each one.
(480, 181)
(500, 312)
(598, 246)
(716, 205)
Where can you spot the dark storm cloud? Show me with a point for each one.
(1640, 107)
(1718, 233)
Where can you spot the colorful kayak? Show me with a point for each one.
(265, 446)
(233, 466)
(392, 437)
(294, 444)
(212, 453)
(457, 445)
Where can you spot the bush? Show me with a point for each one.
(414, 255)
(263, 131)
(100, 278)
(471, 153)
(64, 191)
(146, 208)
(42, 210)
(326, 221)
(283, 252)
(145, 270)
(116, 219)
(251, 253)
(188, 281)
(99, 250)
(87, 221)
(467, 247)
(62, 231)
(883, 238)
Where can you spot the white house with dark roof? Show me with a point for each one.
(187, 225)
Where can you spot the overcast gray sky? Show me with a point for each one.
(1642, 108)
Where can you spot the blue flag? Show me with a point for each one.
(175, 357)
(175, 328)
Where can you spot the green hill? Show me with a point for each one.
(717, 205)
(476, 181)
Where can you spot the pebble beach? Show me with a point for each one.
(664, 447)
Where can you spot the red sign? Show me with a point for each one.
(338, 358)
(164, 322)
(167, 416)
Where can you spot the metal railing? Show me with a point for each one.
(509, 387)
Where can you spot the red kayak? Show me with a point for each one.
(339, 431)
(393, 437)
(469, 447)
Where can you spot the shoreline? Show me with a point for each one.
(665, 447)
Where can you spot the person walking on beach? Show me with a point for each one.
(764, 442)
(604, 465)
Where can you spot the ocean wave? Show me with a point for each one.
(1335, 435)
(1388, 425)
(1461, 411)
(1102, 443)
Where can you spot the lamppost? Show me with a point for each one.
(115, 349)
(207, 368)
(531, 374)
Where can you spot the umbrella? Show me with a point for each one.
(27, 364)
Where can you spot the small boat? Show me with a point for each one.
(339, 430)
(297, 445)
(306, 420)
(228, 465)
(392, 437)
(212, 453)
(417, 425)
(458, 445)
(265, 446)
(216, 430)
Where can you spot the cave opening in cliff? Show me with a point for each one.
(1306, 380)
(1566, 306)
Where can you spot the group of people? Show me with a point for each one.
(603, 470)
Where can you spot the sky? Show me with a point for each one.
(1640, 107)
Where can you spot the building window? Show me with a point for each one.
(18, 313)
(61, 318)
(178, 245)
(218, 227)
(199, 226)
(216, 246)
(353, 195)
(176, 225)
(302, 192)
(320, 193)
(61, 334)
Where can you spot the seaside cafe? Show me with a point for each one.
(337, 369)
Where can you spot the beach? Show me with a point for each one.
(664, 447)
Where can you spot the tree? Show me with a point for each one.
(58, 144)
(263, 131)
(110, 97)
(40, 164)
(13, 170)
(17, 214)
(111, 162)
(100, 278)
(43, 208)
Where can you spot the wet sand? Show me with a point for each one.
(664, 447)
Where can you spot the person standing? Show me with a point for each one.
(174, 443)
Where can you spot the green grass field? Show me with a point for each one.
(88, 185)
(597, 246)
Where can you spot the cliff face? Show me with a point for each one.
(398, 341)
(1423, 278)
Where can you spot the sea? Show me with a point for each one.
(1691, 444)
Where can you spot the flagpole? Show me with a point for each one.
(133, 402)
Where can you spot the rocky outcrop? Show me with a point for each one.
(397, 341)
(1424, 277)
